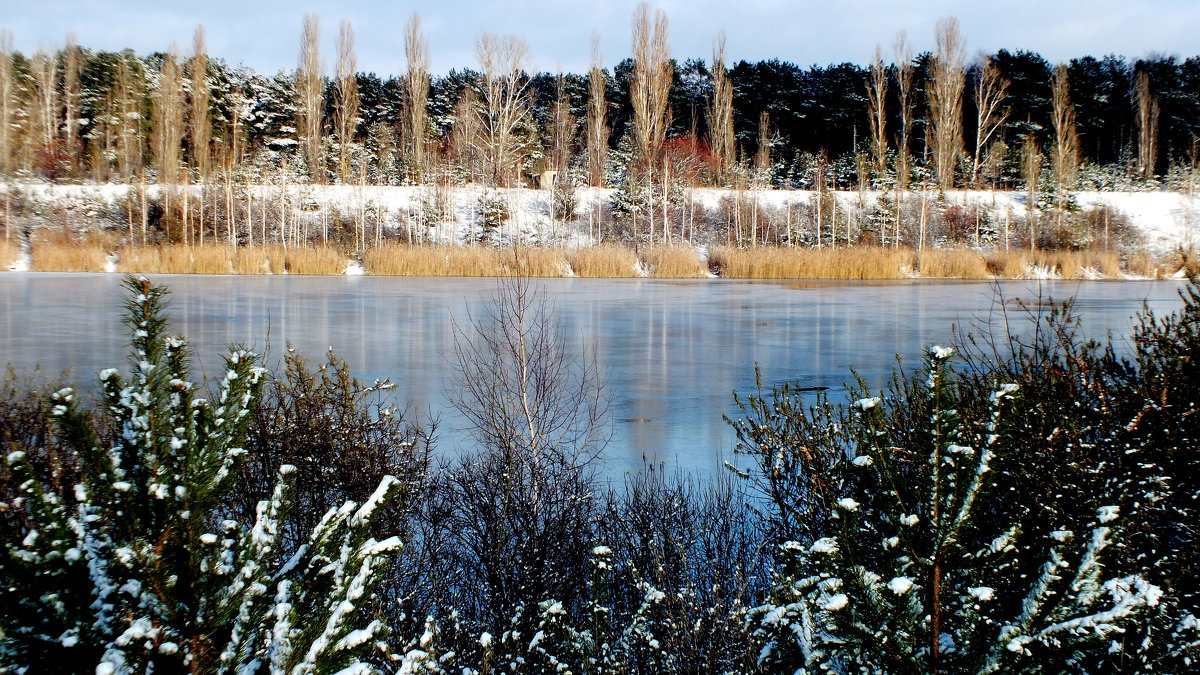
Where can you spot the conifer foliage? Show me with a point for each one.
(139, 567)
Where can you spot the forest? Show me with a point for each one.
(197, 142)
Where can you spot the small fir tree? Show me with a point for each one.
(139, 567)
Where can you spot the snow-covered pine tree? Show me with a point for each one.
(922, 568)
(137, 568)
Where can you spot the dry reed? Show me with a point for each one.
(603, 262)
(59, 252)
(463, 261)
(1086, 264)
(953, 264)
(867, 262)
(9, 251)
(314, 260)
(674, 262)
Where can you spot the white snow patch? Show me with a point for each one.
(824, 545)
(900, 585)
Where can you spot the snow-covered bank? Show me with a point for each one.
(1164, 220)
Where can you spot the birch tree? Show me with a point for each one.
(505, 108)
(991, 90)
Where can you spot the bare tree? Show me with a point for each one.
(720, 113)
(762, 153)
(538, 411)
(506, 106)
(650, 81)
(199, 121)
(904, 87)
(649, 87)
(416, 89)
(7, 106)
(1066, 136)
(167, 126)
(991, 89)
(72, 69)
(347, 98)
(310, 89)
(466, 134)
(562, 131)
(947, 76)
(129, 92)
(597, 123)
(42, 117)
(1146, 123)
(877, 86)
(1031, 169)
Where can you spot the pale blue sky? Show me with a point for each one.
(264, 34)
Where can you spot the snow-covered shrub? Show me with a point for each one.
(1033, 511)
(140, 566)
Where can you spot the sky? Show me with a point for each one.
(265, 34)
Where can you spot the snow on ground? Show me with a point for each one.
(1167, 220)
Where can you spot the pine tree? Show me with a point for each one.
(140, 566)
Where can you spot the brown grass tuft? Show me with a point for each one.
(866, 262)
(603, 262)
(674, 262)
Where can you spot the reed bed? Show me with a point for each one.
(535, 262)
(866, 262)
(463, 261)
(674, 262)
(1086, 264)
(313, 260)
(605, 261)
(425, 261)
(80, 257)
(60, 252)
(953, 264)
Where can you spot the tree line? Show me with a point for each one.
(79, 114)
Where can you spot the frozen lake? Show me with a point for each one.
(671, 351)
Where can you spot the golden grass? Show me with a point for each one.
(463, 261)
(55, 251)
(953, 264)
(213, 259)
(61, 252)
(8, 253)
(315, 260)
(865, 262)
(674, 262)
(603, 262)
(1087, 264)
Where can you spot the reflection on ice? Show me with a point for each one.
(671, 351)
